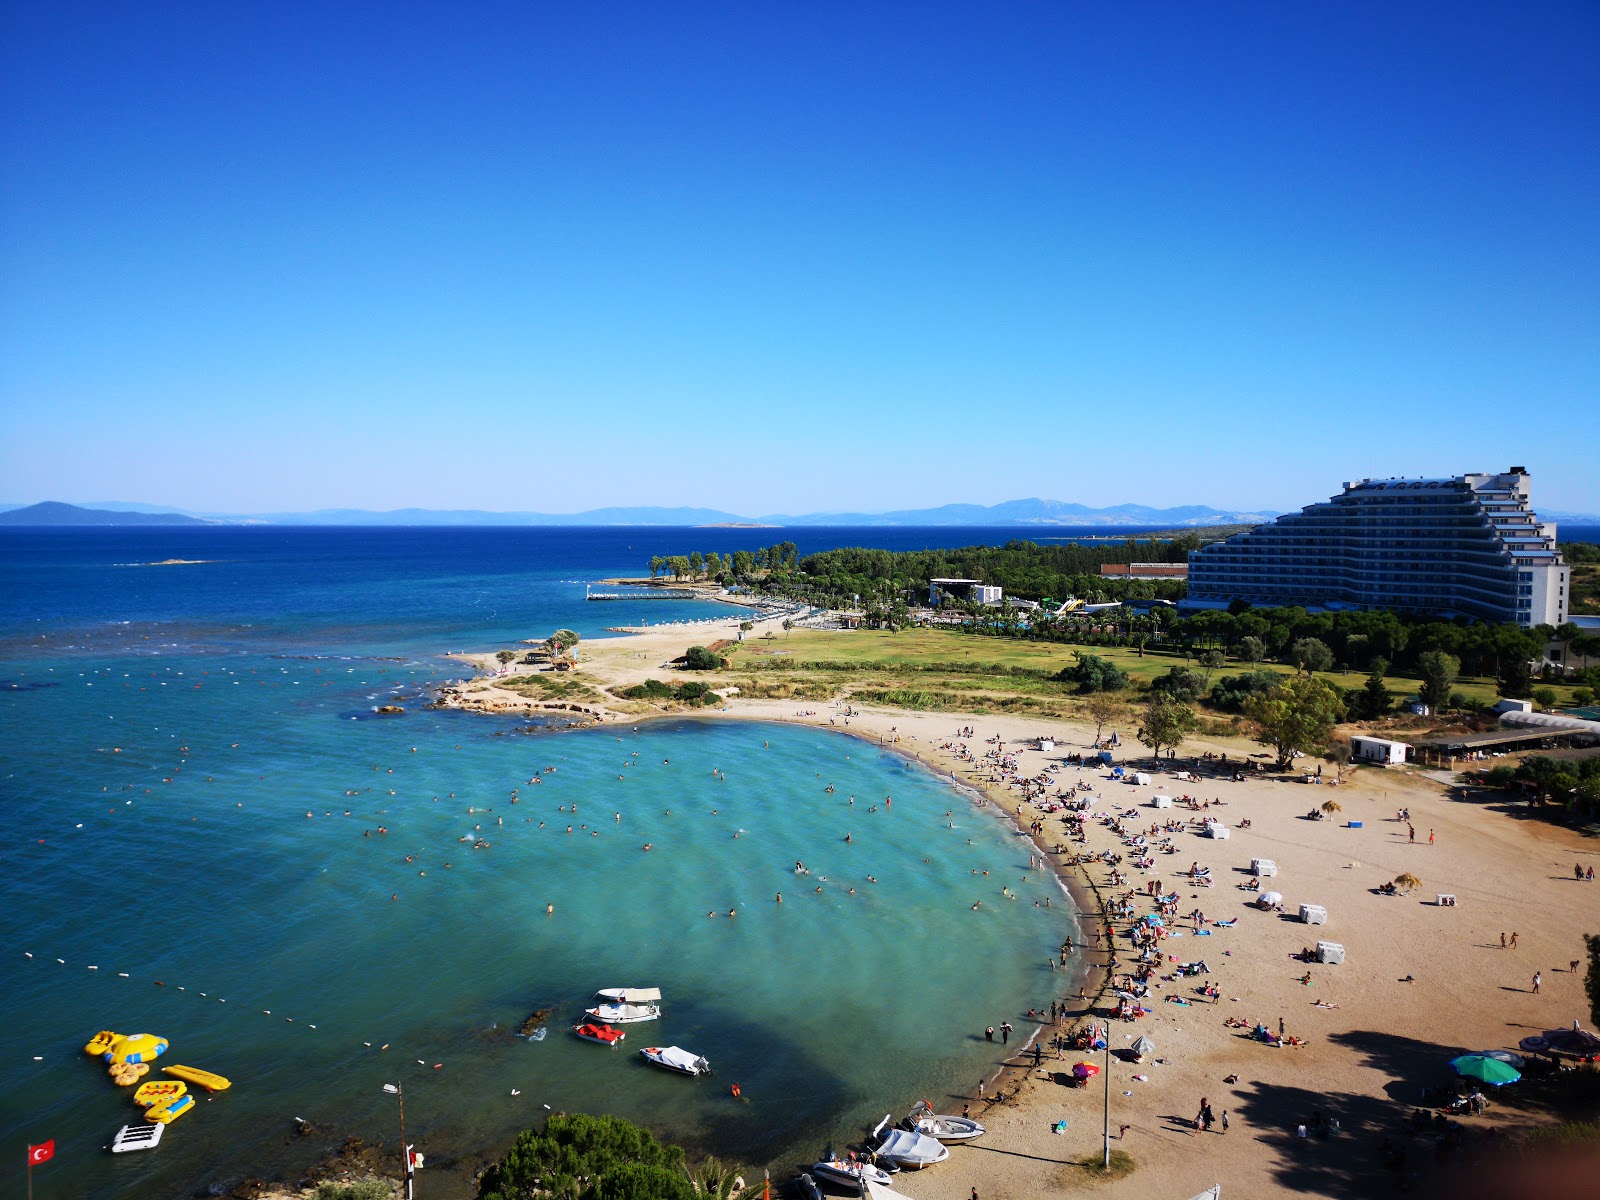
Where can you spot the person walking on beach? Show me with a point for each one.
(1537, 979)
(1502, 941)
(1513, 939)
(1411, 833)
(1430, 837)
(1224, 1120)
(1005, 1032)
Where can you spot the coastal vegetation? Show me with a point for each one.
(885, 580)
(1583, 588)
(581, 1157)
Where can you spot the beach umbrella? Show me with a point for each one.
(1534, 1044)
(1407, 880)
(1489, 1070)
(1155, 920)
(1332, 806)
(1142, 1046)
(1085, 1070)
(1124, 995)
(1572, 1041)
(1506, 1056)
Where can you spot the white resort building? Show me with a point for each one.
(1464, 546)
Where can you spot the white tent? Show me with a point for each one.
(1141, 779)
(1263, 866)
(1161, 801)
(1313, 914)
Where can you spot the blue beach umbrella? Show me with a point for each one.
(1487, 1070)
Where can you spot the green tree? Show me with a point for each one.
(744, 563)
(1591, 981)
(505, 656)
(1376, 700)
(1166, 723)
(1295, 717)
(697, 562)
(656, 563)
(1252, 649)
(698, 658)
(1311, 654)
(1181, 683)
(1100, 708)
(1438, 671)
(1092, 673)
(582, 1157)
(1208, 662)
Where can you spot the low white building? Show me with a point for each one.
(1378, 750)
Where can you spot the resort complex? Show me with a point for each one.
(1468, 546)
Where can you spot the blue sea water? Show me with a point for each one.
(195, 782)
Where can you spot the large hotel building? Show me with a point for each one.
(1467, 546)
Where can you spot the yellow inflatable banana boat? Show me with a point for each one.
(209, 1080)
(164, 1112)
(100, 1043)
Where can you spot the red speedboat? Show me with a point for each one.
(590, 1031)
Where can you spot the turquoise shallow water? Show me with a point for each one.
(157, 799)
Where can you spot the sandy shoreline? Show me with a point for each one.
(1374, 1036)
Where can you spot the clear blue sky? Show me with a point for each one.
(794, 257)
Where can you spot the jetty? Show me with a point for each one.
(644, 594)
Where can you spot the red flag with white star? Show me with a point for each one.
(41, 1154)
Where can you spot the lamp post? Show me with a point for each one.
(405, 1150)
(1106, 1164)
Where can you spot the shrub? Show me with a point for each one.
(1231, 691)
(699, 658)
(650, 689)
(1179, 683)
(1094, 674)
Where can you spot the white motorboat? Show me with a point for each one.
(676, 1058)
(137, 1137)
(850, 1172)
(907, 1148)
(624, 1006)
(946, 1128)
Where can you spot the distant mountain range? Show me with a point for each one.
(1021, 514)
(53, 512)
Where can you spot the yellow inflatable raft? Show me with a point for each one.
(100, 1043)
(125, 1074)
(158, 1090)
(164, 1112)
(135, 1048)
(209, 1080)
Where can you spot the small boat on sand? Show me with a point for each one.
(624, 1006)
(850, 1172)
(946, 1128)
(602, 1034)
(676, 1058)
(906, 1148)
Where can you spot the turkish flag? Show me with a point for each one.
(41, 1154)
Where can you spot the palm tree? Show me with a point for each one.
(1405, 881)
(713, 1178)
(1332, 806)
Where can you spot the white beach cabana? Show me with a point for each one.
(1263, 867)
(1330, 952)
(1313, 914)
(1161, 801)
